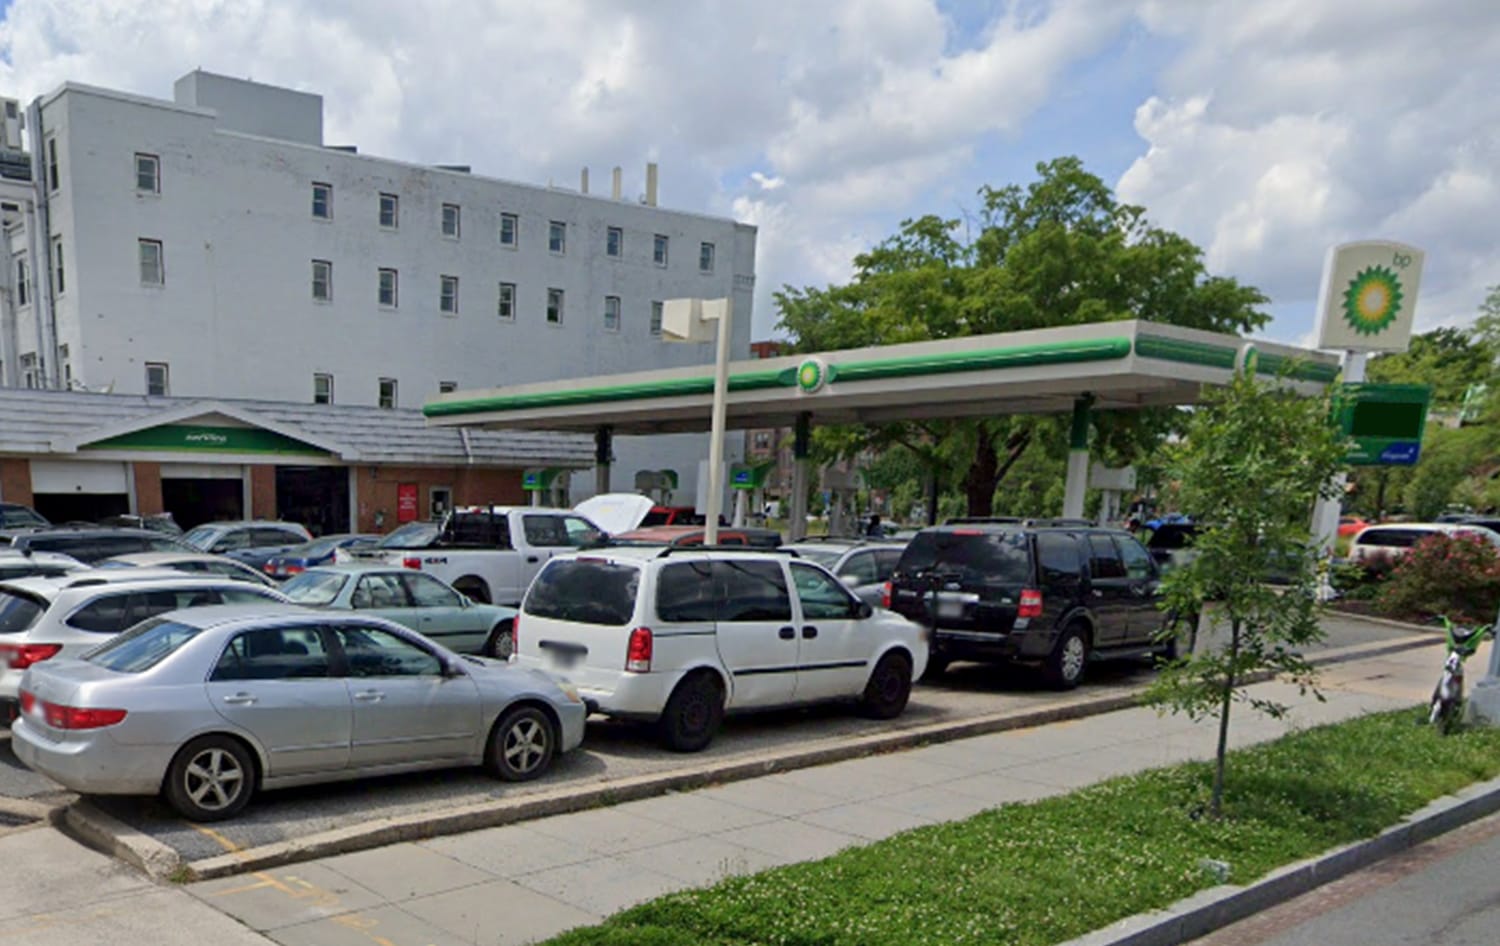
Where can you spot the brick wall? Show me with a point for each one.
(263, 492)
(147, 488)
(377, 488)
(15, 480)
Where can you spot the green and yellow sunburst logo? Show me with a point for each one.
(1372, 300)
(811, 375)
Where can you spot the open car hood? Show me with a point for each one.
(616, 512)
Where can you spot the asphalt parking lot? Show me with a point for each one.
(612, 752)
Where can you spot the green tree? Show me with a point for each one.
(1257, 455)
(1447, 359)
(1061, 250)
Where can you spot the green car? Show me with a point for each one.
(417, 600)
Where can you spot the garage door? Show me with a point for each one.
(195, 493)
(78, 476)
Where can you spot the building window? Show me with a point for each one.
(153, 268)
(447, 387)
(65, 363)
(52, 177)
(322, 201)
(388, 392)
(554, 306)
(448, 295)
(705, 257)
(30, 376)
(322, 389)
(557, 236)
(656, 318)
(507, 307)
(147, 173)
(510, 230)
(450, 220)
(156, 379)
(659, 250)
(614, 242)
(322, 283)
(23, 282)
(387, 291)
(59, 283)
(390, 207)
(612, 313)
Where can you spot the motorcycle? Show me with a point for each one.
(1448, 697)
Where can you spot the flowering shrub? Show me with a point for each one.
(1457, 575)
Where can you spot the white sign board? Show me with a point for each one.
(1121, 478)
(1368, 299)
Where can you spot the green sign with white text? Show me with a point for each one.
(196, 439)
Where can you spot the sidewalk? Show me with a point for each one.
(521, 883)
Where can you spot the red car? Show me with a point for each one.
(1349, 525)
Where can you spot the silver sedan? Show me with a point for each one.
(210, 705)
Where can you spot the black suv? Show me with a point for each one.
(1055, 594)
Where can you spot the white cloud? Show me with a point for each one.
(1283, 127)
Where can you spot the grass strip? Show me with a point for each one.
(1044, 872)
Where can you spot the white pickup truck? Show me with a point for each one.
(491, 553)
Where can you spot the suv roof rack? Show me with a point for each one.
(761, 549)
(1038, 521)
(983, 520)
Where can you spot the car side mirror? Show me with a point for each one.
(863, 610)
(850, 580)
(451, 669)
(464, 601)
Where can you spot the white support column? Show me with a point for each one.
(741, 500)
(1326, 512)
(1077, 482)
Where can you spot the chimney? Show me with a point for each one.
(614, 190)
(651, 184)
(583, 181)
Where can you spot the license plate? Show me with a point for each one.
(950, 609)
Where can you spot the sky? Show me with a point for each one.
(1264, 131)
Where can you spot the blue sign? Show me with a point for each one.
(1402, 453)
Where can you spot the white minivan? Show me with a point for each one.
(682, 636)
(1394, 541)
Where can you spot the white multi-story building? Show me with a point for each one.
(214, 246)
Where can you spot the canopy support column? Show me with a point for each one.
(1078, 459)
(801, 446)
(604, 455)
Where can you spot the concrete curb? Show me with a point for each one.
(1388, 622)
(28, 810)
(1217, 907)
(160, 861)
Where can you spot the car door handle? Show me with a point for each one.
(239, 699)
(788, 633)
(531, 559)
(809, 631)
(369, 696)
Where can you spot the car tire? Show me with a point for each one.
(1064, 667)
(693, 714)
(474, 589)
(936, 666)
(522, 744)
(501, 642)
(888, 688)
(210, 778)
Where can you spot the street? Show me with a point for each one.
(1442, 893)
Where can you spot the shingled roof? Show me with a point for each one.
(51, 422)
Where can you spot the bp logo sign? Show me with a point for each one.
(812, 375)
(1369, 294)
(1372, 300)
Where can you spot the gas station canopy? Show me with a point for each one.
(1119, 365)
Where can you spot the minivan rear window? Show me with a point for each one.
(585, 590)
(994, 557)
(18, 611)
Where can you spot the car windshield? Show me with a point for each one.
(201, 538)
(18, 610)
(143, 646)
(19, 517)
(314, 588)
(589, 591)
(413, 535)
(991, 557)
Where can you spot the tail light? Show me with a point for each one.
(638, 654)
(28, 700)
(1031, 604)
(270, 568)
(515, 634)
(292, 569)
(885, 595)
(21, 656)
(412, 562)
(74, 717)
